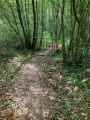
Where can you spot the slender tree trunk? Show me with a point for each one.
(28, 22)
(42, 26)
(37, 18)
(26, 14)
(23, 13)
(56, 27)
(20, 18)
(34, 33)
(72, 31)
(63, 39)
(22, 25)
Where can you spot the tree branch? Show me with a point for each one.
(75, 12)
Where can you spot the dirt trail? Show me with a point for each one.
(31, 98)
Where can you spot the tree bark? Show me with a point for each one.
(63, 39)
(72, 31)
(34, 33)
(37, 18)
(75, 14)
(20, 18)
(42, 26)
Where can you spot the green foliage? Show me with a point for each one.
(72, 87)
(45, 69)
(57, 60)
(77, 40)
(66, 104)
(88, 70)
(49, 69)
(75, 117)
(46, 34)
(87, 95)
(8, 105)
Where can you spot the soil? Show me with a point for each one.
(30, 98)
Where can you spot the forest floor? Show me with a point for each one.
(29, 98)
(40, 92)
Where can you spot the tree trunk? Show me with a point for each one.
(72, 31)
(42, 26)
(56, 27)
(34, 33)
(22, 25)
(62, 24)
(37, 18)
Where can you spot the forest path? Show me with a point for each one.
(31, 97)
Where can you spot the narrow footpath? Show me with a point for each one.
(31, 97)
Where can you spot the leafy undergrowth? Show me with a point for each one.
(73, 88)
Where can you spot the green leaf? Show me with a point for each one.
(76, 88)
(84, 80)
(88, 70)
